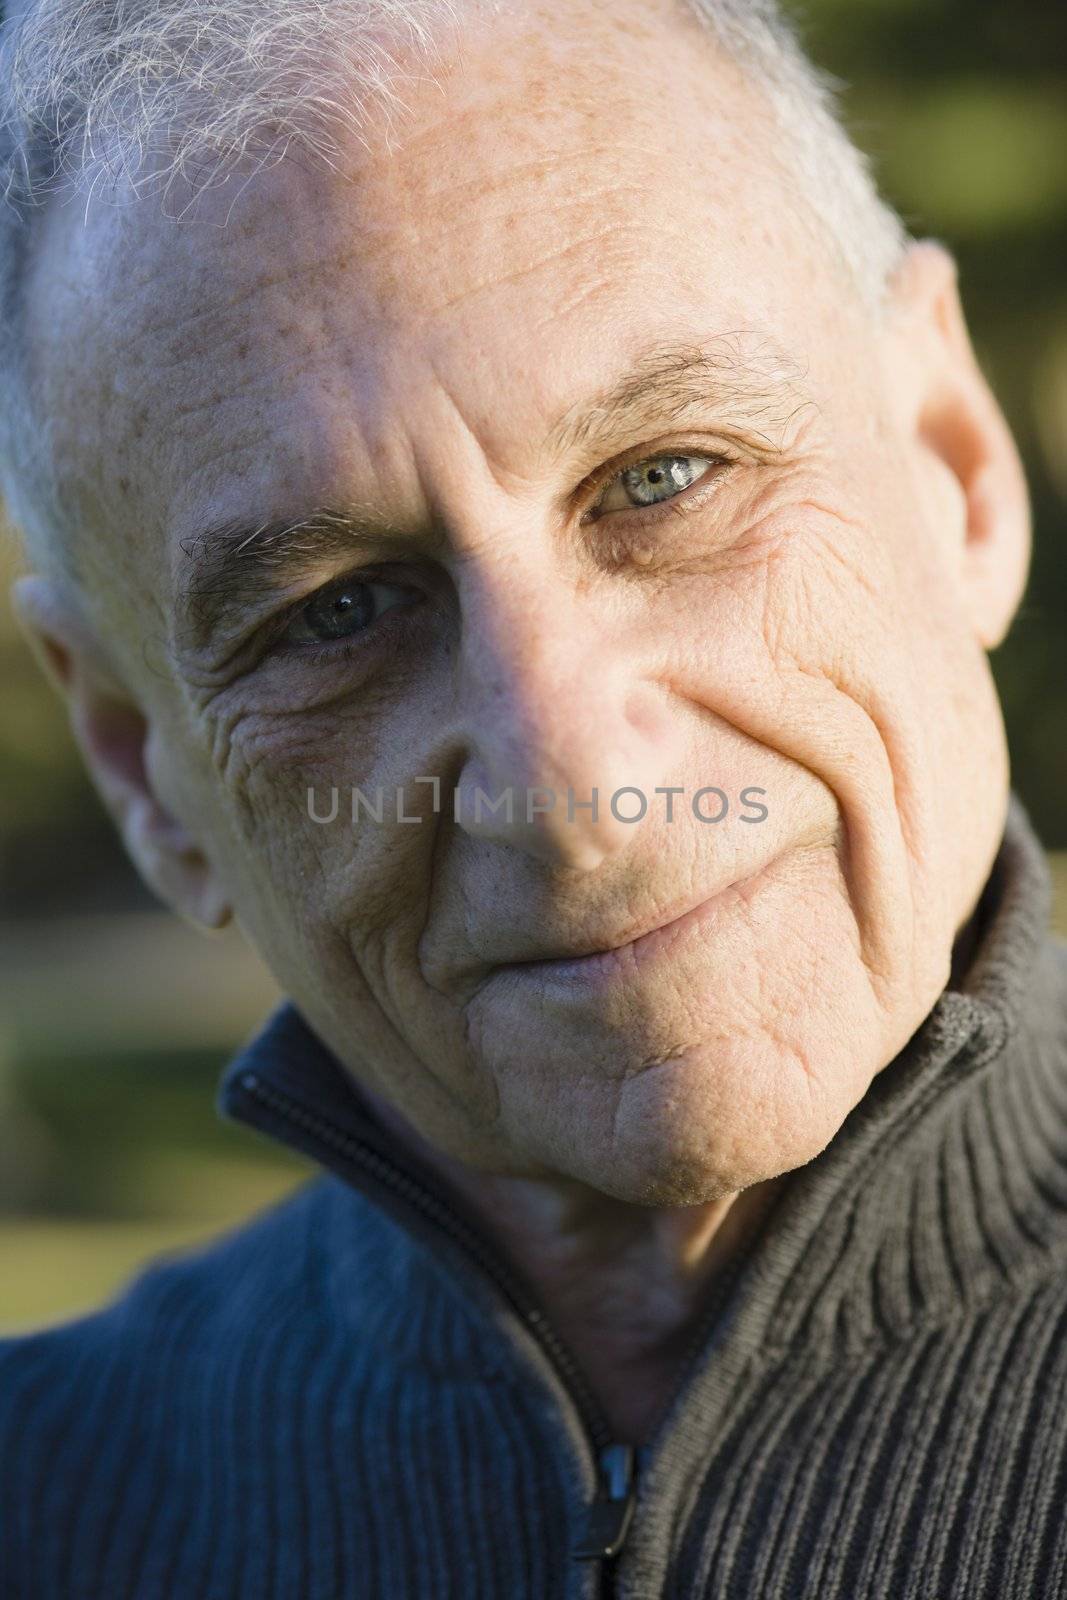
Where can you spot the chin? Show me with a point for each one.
(708, 1122)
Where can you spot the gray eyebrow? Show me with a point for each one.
(745, 378)
(233, 566)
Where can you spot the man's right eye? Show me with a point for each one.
(343, 610)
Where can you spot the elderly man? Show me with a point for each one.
(520, 527)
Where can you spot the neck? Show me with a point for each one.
(626, 1284)
(623, 1283)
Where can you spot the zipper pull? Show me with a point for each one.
(611, 1512)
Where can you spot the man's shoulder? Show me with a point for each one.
(186, 1304)
(99, 1411)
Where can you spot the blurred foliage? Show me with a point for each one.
(119, 1157)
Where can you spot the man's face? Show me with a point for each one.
(428, 348)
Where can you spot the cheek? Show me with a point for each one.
(829, 640)
(806, 624)
(283, 784)
(267, 748)
(841, 648)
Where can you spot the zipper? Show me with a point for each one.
(611, 1512)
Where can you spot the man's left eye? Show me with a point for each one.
(648, 483)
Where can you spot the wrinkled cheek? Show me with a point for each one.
(825, 665)
(312, 867)
(912, 745)
(260, 777)
(274, 773)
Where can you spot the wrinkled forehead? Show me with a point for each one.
(541, 213)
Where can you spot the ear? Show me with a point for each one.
(959, 423)
(116, 741)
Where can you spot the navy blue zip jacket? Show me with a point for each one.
(354, 1397)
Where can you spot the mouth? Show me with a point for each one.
(603, 968)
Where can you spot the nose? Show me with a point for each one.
(566, 741)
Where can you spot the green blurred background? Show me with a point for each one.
(115, 1019)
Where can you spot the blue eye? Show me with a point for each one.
(650, 482)
(342, 610)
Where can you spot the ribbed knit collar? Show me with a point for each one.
(934, 1191)
(933, 1188)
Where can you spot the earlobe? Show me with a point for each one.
(115, 738)
(960, 423)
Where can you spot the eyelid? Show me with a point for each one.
(348, 646)
(277, 626)
(605, 476)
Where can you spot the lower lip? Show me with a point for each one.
(607, 968)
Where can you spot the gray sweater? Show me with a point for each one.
(354, 1395)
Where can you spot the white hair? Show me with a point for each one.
(154, 91)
